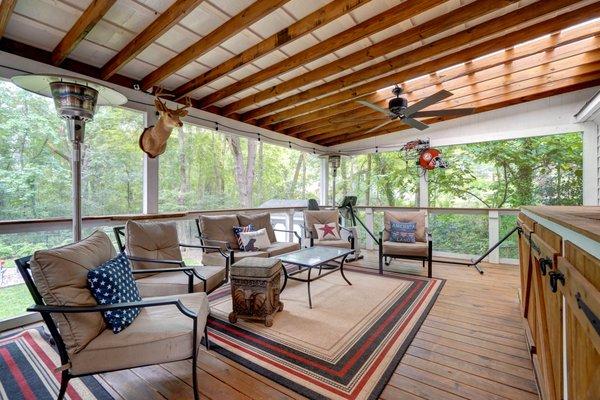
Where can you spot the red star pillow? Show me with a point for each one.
(327, 231)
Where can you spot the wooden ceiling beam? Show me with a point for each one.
(557, 46)
(156, 29)
(84, 24)
(366, 28)
(304, 26)
(460, 55)
(534, 94)
(413, 35)
(495, 98)
(6, 10)
(510, 72)
(230, 28)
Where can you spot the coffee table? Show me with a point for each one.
(330, 259)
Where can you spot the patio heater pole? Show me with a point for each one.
(334, 160)
(75, 100)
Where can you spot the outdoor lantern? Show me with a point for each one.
(76, 101)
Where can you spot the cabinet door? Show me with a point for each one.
(548, 318)
(581, 291)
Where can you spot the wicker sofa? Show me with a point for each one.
(217, 230)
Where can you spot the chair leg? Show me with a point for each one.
(64, 383)
(194, 376)
(206, 342)
(429, 268)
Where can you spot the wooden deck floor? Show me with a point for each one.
(471, 345)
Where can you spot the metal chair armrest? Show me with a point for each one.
(159, 270)
(205, 239)
(289, 231)
(199, 246)
(45, 309)
(156, 261)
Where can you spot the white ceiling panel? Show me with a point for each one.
(221, 82)
(267, 84)
(203, 19)
(353, 48)
(301, 8)
(178, 38)
(134, 16)
(46, 14)
(192, 70)
(241, 73)
(33, 33)
(91, 53)
(272, 23)
(229, 7)
(298, 45)
(109, 35)
(333, 28)
(321, 61)
(372, 9)
(201, 92)
(391, 31)
(215, 57)
(269, 59)
(156, 55)
(293, 73)
(241, 41)
(173, 81)
(137, 69)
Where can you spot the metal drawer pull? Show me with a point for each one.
(555, 277)
(588, 313)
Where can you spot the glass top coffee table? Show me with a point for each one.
(330, 259)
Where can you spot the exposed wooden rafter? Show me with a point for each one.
(372, 25)
(572, 43)
(231, 27)
(312, 21)
(382, 48)
(494, 27)
(547, 89)
(6, 9)
(157, 28)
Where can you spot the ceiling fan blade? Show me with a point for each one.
(442, 113)
(427, 101)
(373, 106)
(414, 123)
(380, 126)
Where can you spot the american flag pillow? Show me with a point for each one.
(239, 229)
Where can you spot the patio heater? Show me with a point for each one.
(76, 101)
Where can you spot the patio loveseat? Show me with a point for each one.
(217, 230)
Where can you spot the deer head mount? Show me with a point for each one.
(153, 140)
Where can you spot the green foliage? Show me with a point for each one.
(14, 299)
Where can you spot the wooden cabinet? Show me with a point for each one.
(560, 298)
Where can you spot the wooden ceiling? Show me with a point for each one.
(297, 67)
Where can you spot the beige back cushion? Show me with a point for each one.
(312, 217)
(259, 221)
(220, 227)
(405, 216)
(156, 240)
(61, 277)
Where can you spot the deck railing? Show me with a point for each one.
(462, 233)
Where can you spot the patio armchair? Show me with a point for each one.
(312, 217)
(167, 329)
(420, 250)
(217, 231)
(152, 244)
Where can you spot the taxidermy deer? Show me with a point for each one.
(153, 141)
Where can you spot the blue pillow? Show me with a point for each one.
(403, 232)
(112, 283)
(239, 229)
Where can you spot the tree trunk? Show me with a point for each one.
(244, 171)
(368, 180)
(294, 182)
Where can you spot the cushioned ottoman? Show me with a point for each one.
(255, 289)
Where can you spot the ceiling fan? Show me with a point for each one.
(398, 109)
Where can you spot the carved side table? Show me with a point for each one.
(255, 289)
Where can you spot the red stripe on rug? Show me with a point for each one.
(371, 370)
(49, 364)
(327, 369)
(17, 375)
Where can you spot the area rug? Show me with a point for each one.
(346, 347)
(27, 363)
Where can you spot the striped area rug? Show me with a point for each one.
(27, 363)
(346, 347)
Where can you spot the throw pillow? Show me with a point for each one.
(403, 232)
(327, 231)
(112, 283)
(239, 229)
(255, 240)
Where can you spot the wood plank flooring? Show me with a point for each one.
(471, 346)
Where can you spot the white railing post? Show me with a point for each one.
(493, 235)
(289, 224)
(369, 223)
(150, 175)
(324, 182)
(423, 191)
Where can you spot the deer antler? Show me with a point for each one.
(188, 103)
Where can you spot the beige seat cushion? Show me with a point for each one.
(259, 221)
(156, 240)
(173, 283)
(312, 217)
(279, 248)
(417, 217)
(158, 335)
(218, 259)
(333, 243)
(220, 227)
(418, 249)
(61, 277)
